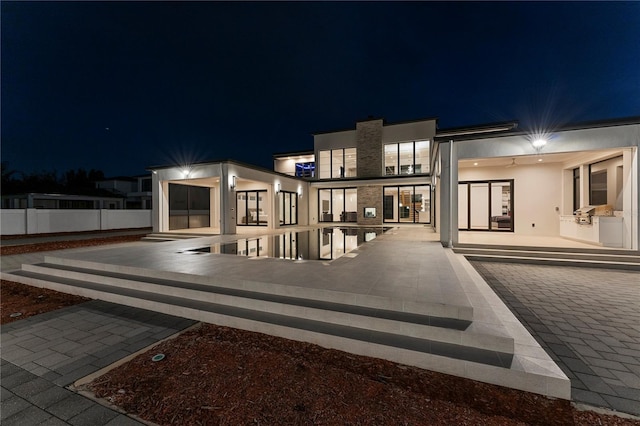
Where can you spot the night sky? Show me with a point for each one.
(121, 86)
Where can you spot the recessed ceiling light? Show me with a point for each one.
(539, 160)
(475, 164)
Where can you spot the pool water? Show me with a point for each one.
(319, 244)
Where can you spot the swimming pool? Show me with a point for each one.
(318, 244)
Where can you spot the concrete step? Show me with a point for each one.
(431, 309)
(596, 258)
(330, 328)
(446, 330)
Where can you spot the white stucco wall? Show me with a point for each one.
(45, 221)
(411, 131)
(537, 193)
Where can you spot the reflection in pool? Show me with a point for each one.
(318, 244)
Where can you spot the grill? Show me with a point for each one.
(583, 215)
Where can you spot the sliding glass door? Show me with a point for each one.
(485, 206)
(287, 203)
(338, 205)
(407, 204)
(189, 206)
(252, 208)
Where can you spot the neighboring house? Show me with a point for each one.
(120, 192)
(489, 178)
(34, 200)
(136, 190)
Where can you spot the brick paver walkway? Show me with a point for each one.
(588, 320)
(43, 354)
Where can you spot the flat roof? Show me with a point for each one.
(384, 123)
(293, 153)
(525, 131)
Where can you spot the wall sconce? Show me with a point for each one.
(278, 189)
(233, 182)
(299, 192)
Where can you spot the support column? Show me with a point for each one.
(448, 194)
(228, 212)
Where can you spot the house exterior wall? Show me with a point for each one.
(625, 137)
(219, 177)
(536, 194)
(370, 196)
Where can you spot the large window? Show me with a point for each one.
(407, 204)
(605, 183)
(485, 206)
(338, 163)
(189, 206)
(406, 158)
(288, 203)
(252, 208)
(338, 205)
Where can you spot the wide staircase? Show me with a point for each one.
(445, 334)
(554, 256)
(435, 330)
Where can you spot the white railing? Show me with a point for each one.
(45, 221)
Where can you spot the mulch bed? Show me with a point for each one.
(60, 245)
(29, 301)
(214, 375)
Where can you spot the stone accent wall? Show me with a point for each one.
(370, 196)
(369, 144)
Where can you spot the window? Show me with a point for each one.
(576, 189)
(338, 205)
(605, 183)
(338, 163)
(252, 208)
(306, 170)
(146, 185)
(407, 204)
(406, 158)
(189, 206)
(287, 202)
(485, 206)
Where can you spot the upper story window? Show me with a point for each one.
(146, 185)
(338, 163)
(406, 158)
(306, 170)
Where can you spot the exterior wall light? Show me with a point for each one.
(185, 173)
(278, 188)
(299, 192)
(233, 182)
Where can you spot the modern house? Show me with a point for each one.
(135, 190)
(489, 178)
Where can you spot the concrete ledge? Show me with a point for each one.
(432, 309)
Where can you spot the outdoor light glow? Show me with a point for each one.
(539, 160)
(539, 143)
(475, 164)
(186, 172)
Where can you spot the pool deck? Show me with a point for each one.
(406, 269)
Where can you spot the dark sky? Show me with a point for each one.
(121, 86)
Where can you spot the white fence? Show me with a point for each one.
(45, 221)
